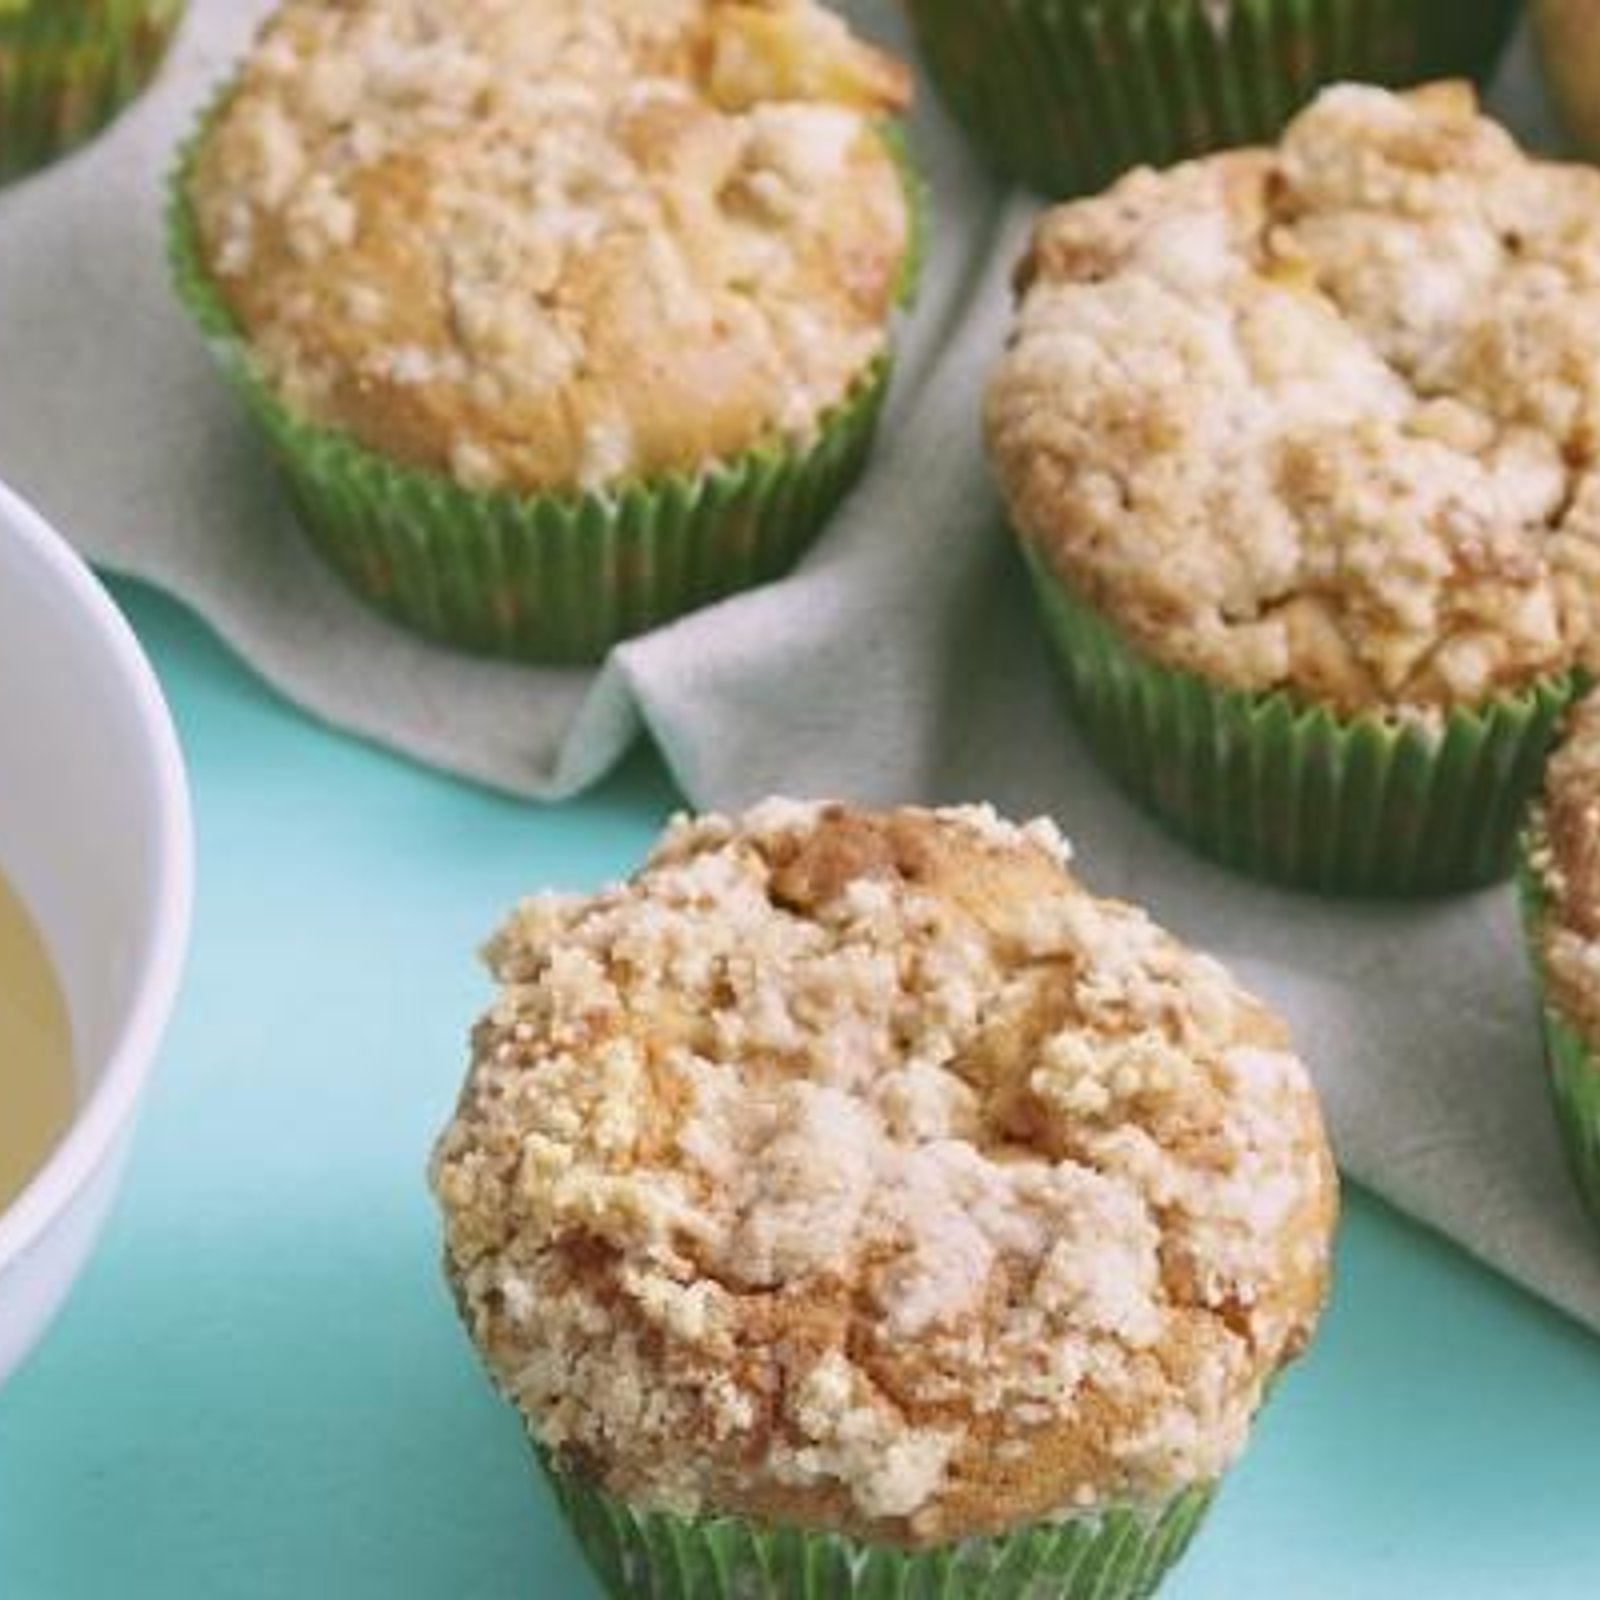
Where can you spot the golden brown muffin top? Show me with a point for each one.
(862, 1170)
(541, 246)
(1566, 859)
(1324, 417)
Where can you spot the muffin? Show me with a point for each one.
(68, 66)
(1066, 94)
(852, 1204)
(1561, 903)
(562, 319)
(1301, 446)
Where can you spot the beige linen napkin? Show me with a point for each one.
(901, 662)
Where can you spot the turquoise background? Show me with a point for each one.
(260, 1389)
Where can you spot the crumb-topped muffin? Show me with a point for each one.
(540, 245)
(862, 1173)
(1323, 419)
(556, 248)
(1561, 895)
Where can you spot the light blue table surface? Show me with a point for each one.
(260, 1389)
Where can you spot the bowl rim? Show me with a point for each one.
(110, 1109)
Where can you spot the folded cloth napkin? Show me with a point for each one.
(901, 662)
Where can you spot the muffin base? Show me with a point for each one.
(1362, 805)
(1066, 94)
(1572, 1063)
(652, 1555)
(553, 577)
(65, 73)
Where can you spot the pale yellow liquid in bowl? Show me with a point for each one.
(36, 1080)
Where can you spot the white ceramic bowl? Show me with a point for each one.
(95, 836)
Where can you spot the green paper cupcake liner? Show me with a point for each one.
(653, 1555)
(1066, 94)
(1572, 1063)
(544, 577)
(1269, 786)
(68, 66)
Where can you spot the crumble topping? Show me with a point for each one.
(863, 1169)
(1324, 417)
(556, 244)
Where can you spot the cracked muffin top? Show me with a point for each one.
(539, 246)
(863, 1171)
(1324, 417)
(1566, 860)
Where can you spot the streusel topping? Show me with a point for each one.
(564, 243)
(863, 1170)
(1566, 856)
(1324, 417)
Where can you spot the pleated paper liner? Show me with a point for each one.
(1066, 94)
(1573, 1065)
(558, 577)
(1296, 794)
(68, 66)
(652, 1555)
